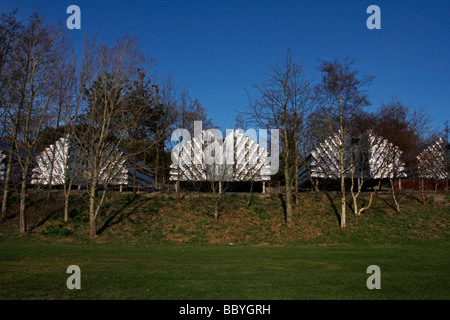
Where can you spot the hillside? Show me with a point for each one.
(157, 218)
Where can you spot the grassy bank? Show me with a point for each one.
(159, 219)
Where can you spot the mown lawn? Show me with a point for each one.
(33, 270)
(153, 248)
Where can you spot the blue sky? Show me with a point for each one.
(218, 48)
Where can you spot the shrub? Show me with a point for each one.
(56, 227)
(82, 217)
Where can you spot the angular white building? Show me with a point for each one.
(62, 161)
(369, 156)
(433, 161)
(206, 158)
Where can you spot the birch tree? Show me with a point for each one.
(341, 94)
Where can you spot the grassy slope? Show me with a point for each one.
(150, 248)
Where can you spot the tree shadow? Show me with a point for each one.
(44, 202)
(283, 205)
(42, 221)
(333, 206)
(390, 203)
(118, 215)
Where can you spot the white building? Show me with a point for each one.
(63, 160)
(368, 156)
(206, 158)
(432, 162)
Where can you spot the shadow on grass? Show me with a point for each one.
(390, 202)
(119, 214)
(45, 202)
(333, 206)
(283, 205)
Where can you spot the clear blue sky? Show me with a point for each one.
(218, 48)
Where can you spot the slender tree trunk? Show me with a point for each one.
(92, 210)
(178, 186)
(22, 210)
(8, 168)
(371, 199)
(66, 202)
(355, 198)
(134, 174)
(422, 191)
(342, 164)
(296, 171)
(156, 167)
(394, 196)
(343, 202)
(289, 221)
(343, 199)
(287, 179)
(6, 187)
(216, 211)
(251, 194)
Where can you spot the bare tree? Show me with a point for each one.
(9, 32)
(373, 158)
(38, 53)
(404, 128)
(106, 122)
(179, 111)
(281, 103)
(341, 93)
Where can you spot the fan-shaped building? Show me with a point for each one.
(63, 160)
(235, 159)
(368, 156)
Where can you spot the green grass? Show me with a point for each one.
(33, 271)
(152, 248)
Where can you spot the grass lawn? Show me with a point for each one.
(35, 271)
(152, 248)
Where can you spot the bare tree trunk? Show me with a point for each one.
(354, 196)
(22, 210)
(423, 197)
(287, 178)
(6, 186)
(343, 202)
(251, 194)
(296, 170)
(342, 174)
(134, 174)
(92, 209)
(66, 202)
(370, 200)
(157, 167)
(178, 186)
(216, 211)
(92, 228)
(394, 196)
(9, 162)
